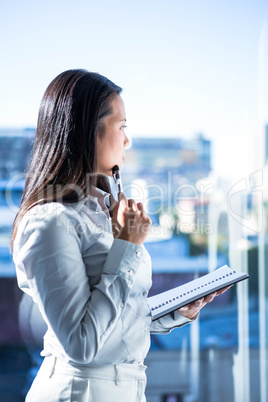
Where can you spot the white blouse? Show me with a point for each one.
(91, 289)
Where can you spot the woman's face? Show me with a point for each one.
(111, 144)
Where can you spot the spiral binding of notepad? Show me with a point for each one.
(197, 288)
(172, 299)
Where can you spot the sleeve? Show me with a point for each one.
(81, 318)
(164, 325)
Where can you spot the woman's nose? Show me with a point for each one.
(126, 141)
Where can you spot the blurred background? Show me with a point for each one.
(195, 87)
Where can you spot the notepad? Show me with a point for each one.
(166, 302)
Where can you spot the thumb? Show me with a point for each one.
(122, 197)
(122, 202)
(122, 206)
(119, 208)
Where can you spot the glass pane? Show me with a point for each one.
(198, 99)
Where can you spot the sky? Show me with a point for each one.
(186, 67)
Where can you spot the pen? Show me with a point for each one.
(117, 179)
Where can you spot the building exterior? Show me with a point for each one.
(166, 164)
(163, 172)
(153, 156)
(15, 148)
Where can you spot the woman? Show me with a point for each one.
(89, 273)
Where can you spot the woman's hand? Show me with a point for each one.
(130, 221)
(192, 310)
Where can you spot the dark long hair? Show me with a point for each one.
(63, 163)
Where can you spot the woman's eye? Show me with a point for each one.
(123, 127)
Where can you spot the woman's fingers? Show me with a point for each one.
(221, 291)
(192, 309)
(210, 297)
(141, 207)
(130, 221)
(132, 205)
